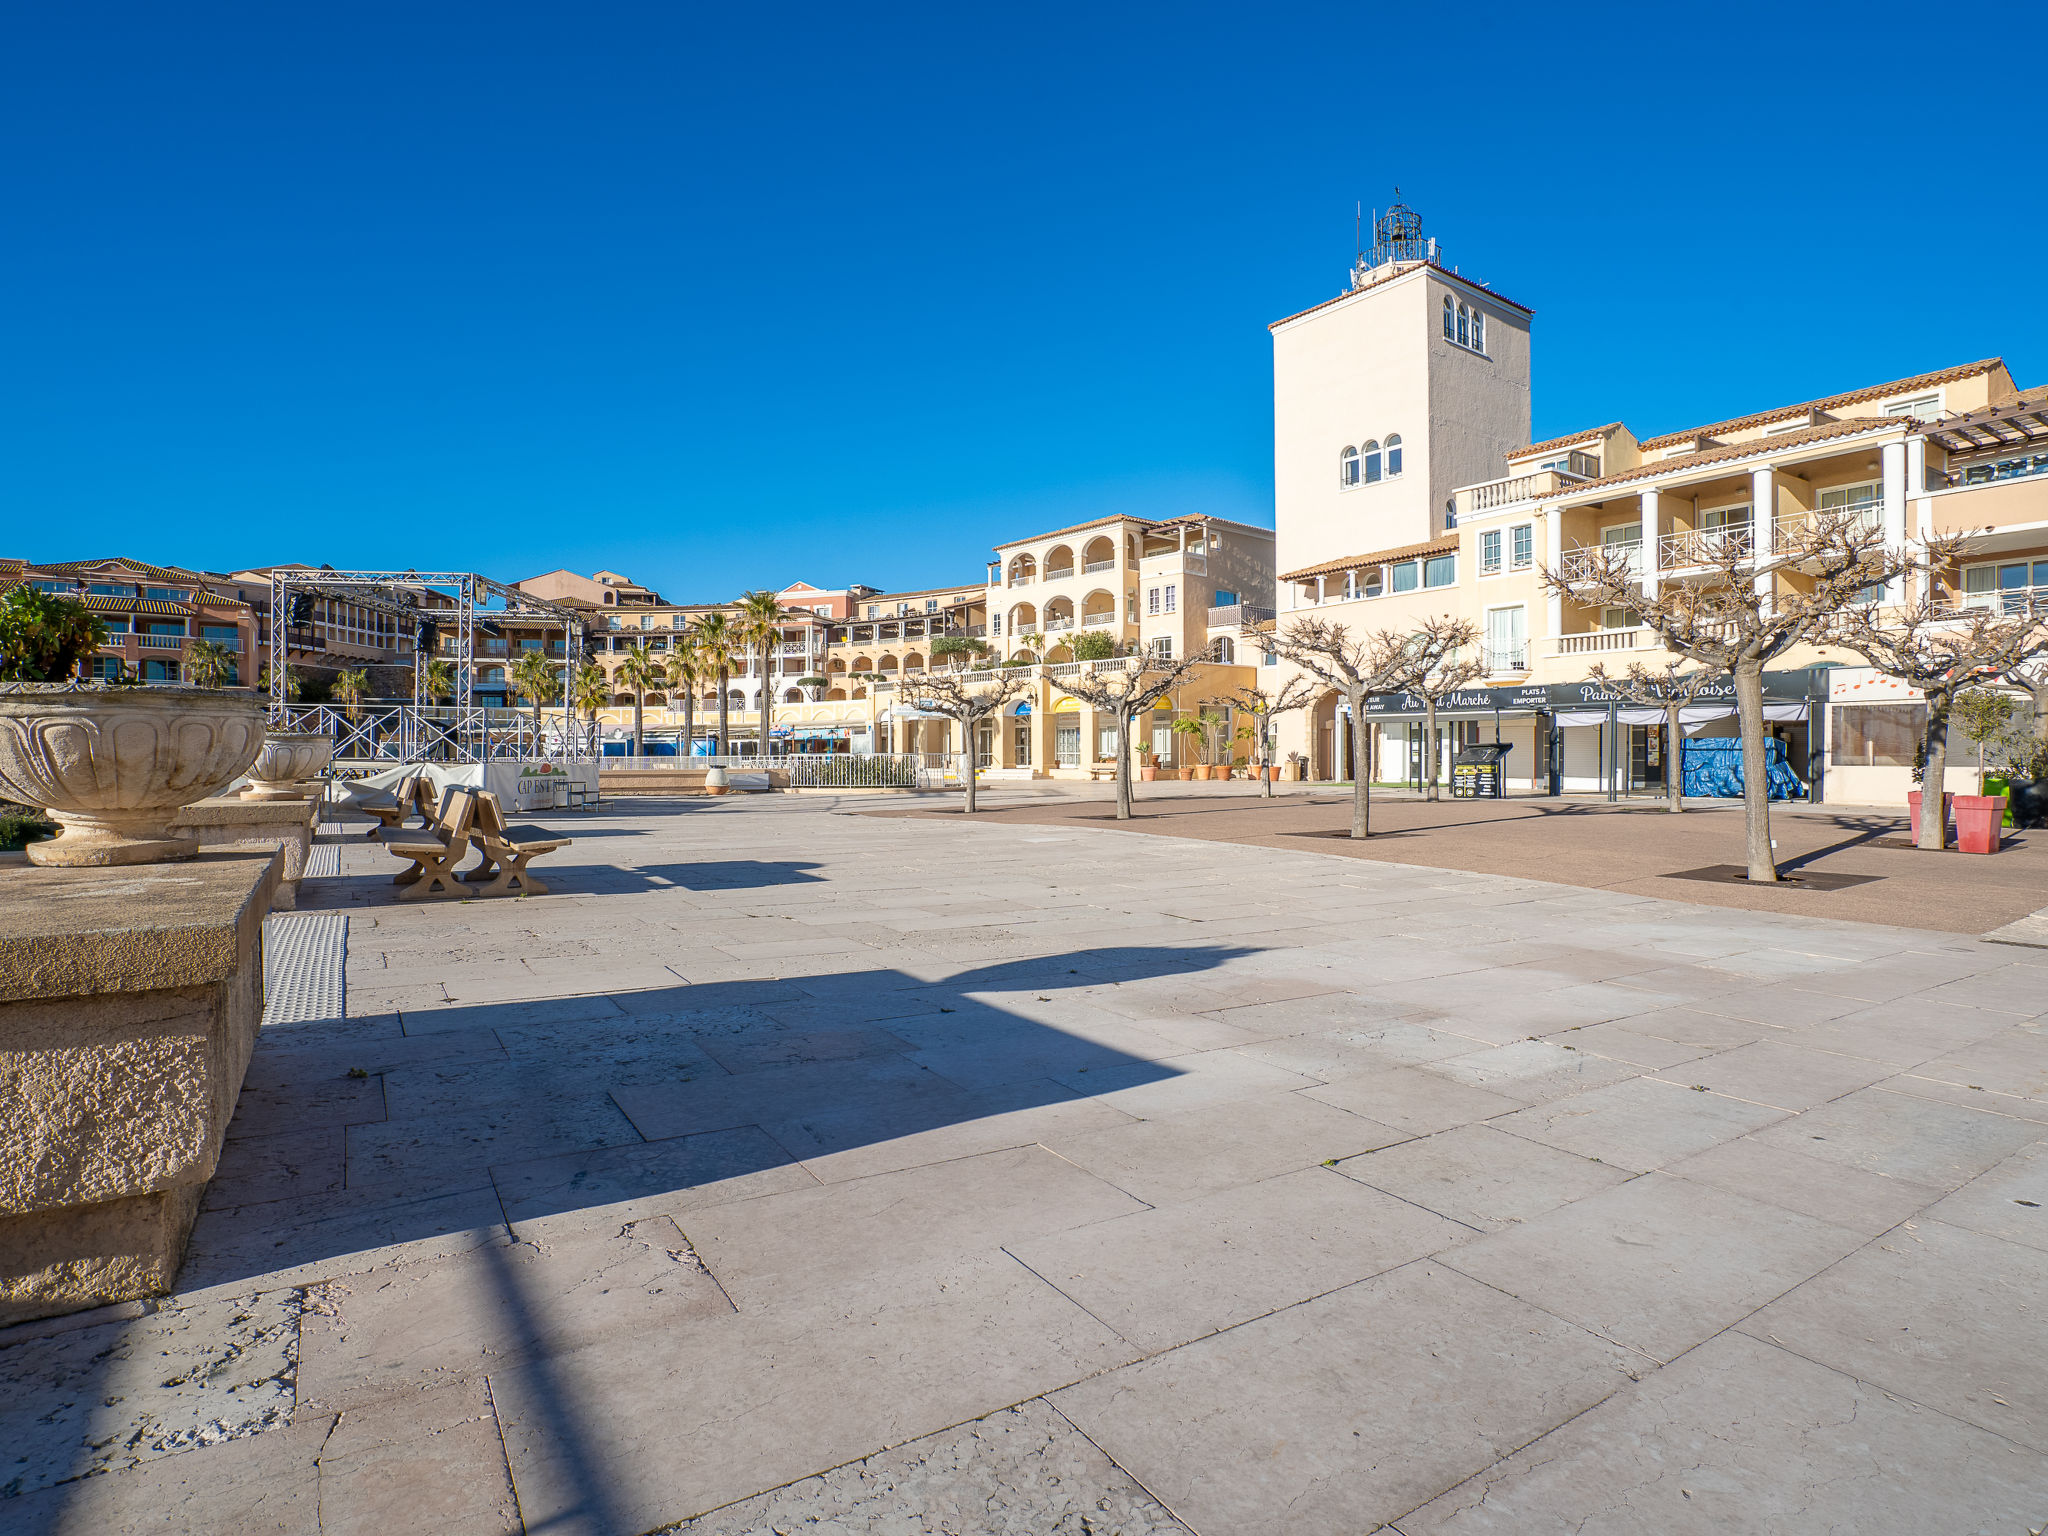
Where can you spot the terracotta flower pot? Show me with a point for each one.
(1913, 809)
(284, 764)
(1148, 773)
(113, 765)
(1184, 774)
(1977, 822)
(1201, 770)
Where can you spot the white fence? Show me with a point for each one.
(850, 770)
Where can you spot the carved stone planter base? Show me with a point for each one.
(93, 842)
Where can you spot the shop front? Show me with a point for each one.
(1587, 738)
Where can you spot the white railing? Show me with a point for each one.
(1066, 669)
(2009, 601)
(1581, 564)
(151, 642)
(1597, 641)
(1862, 517)
(1098, 565)
(1062, 574)
(1707, 546)
(1507, 658)
(1097, 620)
(855, 770)
(1054, 626)
(1236, 615)
(1019, 581)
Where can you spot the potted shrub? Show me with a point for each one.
(1188, 728)
(111, 762)
(1147, 769)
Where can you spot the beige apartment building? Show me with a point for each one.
(1957, 449)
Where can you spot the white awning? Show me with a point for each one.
(1571, 717)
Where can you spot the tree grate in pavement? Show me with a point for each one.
(303, 958)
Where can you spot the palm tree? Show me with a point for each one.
(759, 624)
(208, 664)
(352, 688)
(719, 649)
(590, 691)
(440, 679)
(294, 682)
(639, 672)
(684, 671)
(534, 677)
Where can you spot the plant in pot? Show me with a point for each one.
(111, 762)
(1147, 769)
(1189, 729)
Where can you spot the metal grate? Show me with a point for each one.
(303, 958)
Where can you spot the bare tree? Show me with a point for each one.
(1381, 661)
(1731, 613)
(967, 701)
(1940, 652)
(1123, 689)
(1263, 705)
(1444, 638)
(1670, 689)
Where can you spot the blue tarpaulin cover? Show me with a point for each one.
(1713, 766)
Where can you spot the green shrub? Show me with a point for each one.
(19, 830)
(43, 636)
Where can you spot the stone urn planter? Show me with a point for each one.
(112, 765)
(285, 764)
(716, 781)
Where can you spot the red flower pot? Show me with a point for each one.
(1913, 807)
(1977, 821)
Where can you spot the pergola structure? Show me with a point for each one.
(424, 603)
(2020, 430)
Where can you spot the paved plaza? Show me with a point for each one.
(794, 1168)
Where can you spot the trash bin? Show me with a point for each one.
(1480, 773)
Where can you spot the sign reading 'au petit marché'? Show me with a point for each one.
(1588, 694)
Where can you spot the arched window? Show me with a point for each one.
(1393, 454)
(1370, 453)
(1226, 652)
(1464, 326)
(1478, 330)
(1450, 320)
(1347, 467)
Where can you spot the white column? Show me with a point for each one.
(1920, 511)
(1652, 531)
(1763, 518)
(1553, 555)
(1321, 590)
(1895, 510)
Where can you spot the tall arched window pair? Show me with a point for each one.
(1367, 465)
(1465, 324)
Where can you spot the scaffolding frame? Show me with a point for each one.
(418, 729)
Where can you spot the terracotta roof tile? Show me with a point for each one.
(1571, 440)
(1831, 402)
(1754, 448)
(1448, 545)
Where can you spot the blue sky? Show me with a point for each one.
(731, 296)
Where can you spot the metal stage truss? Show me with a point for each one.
(456, 602)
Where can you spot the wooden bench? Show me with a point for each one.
(505, 851)
(437, 848)
(405, 794)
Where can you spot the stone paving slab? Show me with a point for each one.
(792, 1169)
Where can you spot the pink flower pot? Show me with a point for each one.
(1977, 822)
(1913, 807)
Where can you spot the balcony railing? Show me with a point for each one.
(1097, 620)
(1579, 564)
(1601, 641)
(2008, 601)
(1054, 626)
(1507, 658)
(1707, 546)
(1019, 581)
(151, 642)
(2018, 467)
(1511, 489)
(1237, 615)
(1863, 517)
(1098, 565)
(1058, 573)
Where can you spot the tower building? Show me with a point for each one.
(1411, 383)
